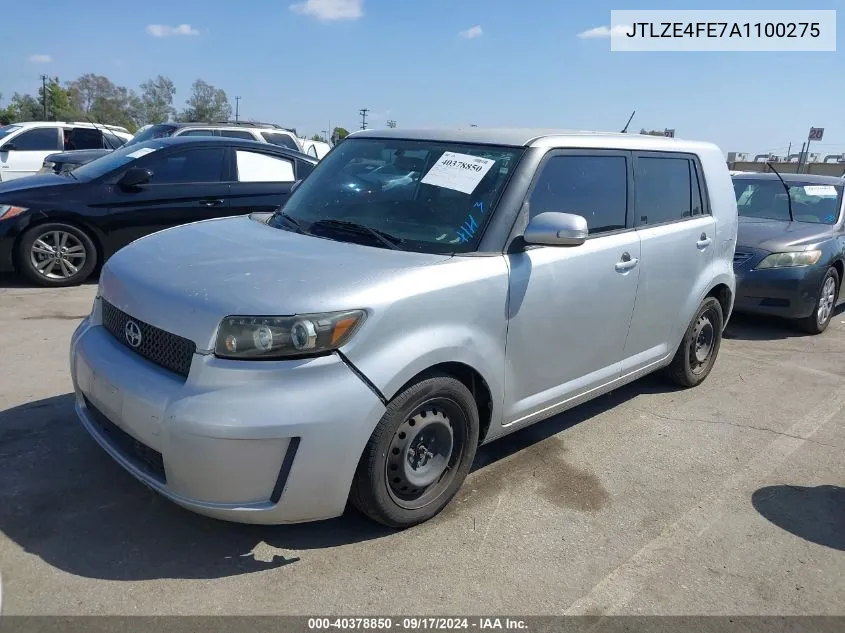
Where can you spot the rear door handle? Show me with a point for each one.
(212, 203)
(626, 263)
(703, 241)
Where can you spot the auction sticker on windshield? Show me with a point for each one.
(461, 172)
(824, 191)
(141, 152)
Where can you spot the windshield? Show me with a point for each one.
(8, 129)
(113, 160)
(422, 195)
(156, 131)
(766, 199)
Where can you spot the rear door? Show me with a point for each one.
(27, 152)
(677, 240)
(260, 181)
(188, 185)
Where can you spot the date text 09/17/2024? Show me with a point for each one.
(416, 624)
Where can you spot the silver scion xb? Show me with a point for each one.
(419, 294)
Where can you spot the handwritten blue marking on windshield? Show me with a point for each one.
(469, 228)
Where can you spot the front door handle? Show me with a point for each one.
(703, 241)
(212, 203)
(626, 263)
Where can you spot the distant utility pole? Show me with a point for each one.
(391, 123)
(325, 135)
(363, 113)
(237, 108)
(44, 94)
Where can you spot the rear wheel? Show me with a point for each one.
(56, 254)
(818, 321)
(697, 352)
(419, 454)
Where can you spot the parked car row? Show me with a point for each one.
(57, 229)
(246, 130)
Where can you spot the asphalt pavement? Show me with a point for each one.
(724, 499)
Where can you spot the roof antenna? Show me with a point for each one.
(785, 186)
(625, 129)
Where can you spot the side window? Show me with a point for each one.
(198, 133)
(663, 190)
(83, 138)
(595, 187)
(255, 167)
(198, 165)
(303, 169)
(697, 197)
(237, 134)
(277, 138)
(39, 139)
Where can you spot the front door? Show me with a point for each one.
(27, 150)
(678, 240)
(187, 186)
(570, 307)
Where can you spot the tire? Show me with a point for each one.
(697, 352)
(826, 299)
(36, 254)
(393, 484)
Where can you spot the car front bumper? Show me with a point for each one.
(8, 234)
(784, 292)
(251, 442)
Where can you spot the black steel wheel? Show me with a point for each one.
(419, 454)
(826, 301)
(56, 254)
(697, 352)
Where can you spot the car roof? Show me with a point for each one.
(168, 141)
(537, 137)
(229, 124)
(816, 178)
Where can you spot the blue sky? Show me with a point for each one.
(309, 63)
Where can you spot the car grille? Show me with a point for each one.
(166, 350)
(141, 455)
(740, 257)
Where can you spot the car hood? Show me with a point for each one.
(34, 183)
(186, 279)
(78, 156)
(776, 235)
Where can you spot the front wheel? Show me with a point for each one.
(56, 254)
(419, 453)
(698, 350)
(818, 321)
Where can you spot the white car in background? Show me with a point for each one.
(315, 149)
(24, 146)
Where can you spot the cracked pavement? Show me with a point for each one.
(724, 499)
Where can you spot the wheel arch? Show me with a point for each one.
(723, 294)
(472, 379)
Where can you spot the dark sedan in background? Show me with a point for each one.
(63, 162)
(790, 253)
(57, 229)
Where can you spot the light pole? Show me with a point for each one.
(237, 108)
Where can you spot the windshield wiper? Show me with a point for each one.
(788, 192)
(390, 241)
(72, 175)
(292, 221)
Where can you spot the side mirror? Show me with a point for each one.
(135, 177)
(557, 229)
(8, 147)
(295, 185)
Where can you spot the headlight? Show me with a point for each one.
(9, 210)
(788, 260)
(253, 337)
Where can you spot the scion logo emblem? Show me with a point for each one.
(132, 333)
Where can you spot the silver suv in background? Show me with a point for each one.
(419, 294)
(247, 130)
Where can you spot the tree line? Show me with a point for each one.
(96, 98)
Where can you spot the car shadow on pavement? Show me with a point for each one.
(816, 514)
(10, 281)
(64, 500)
(749, 327)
